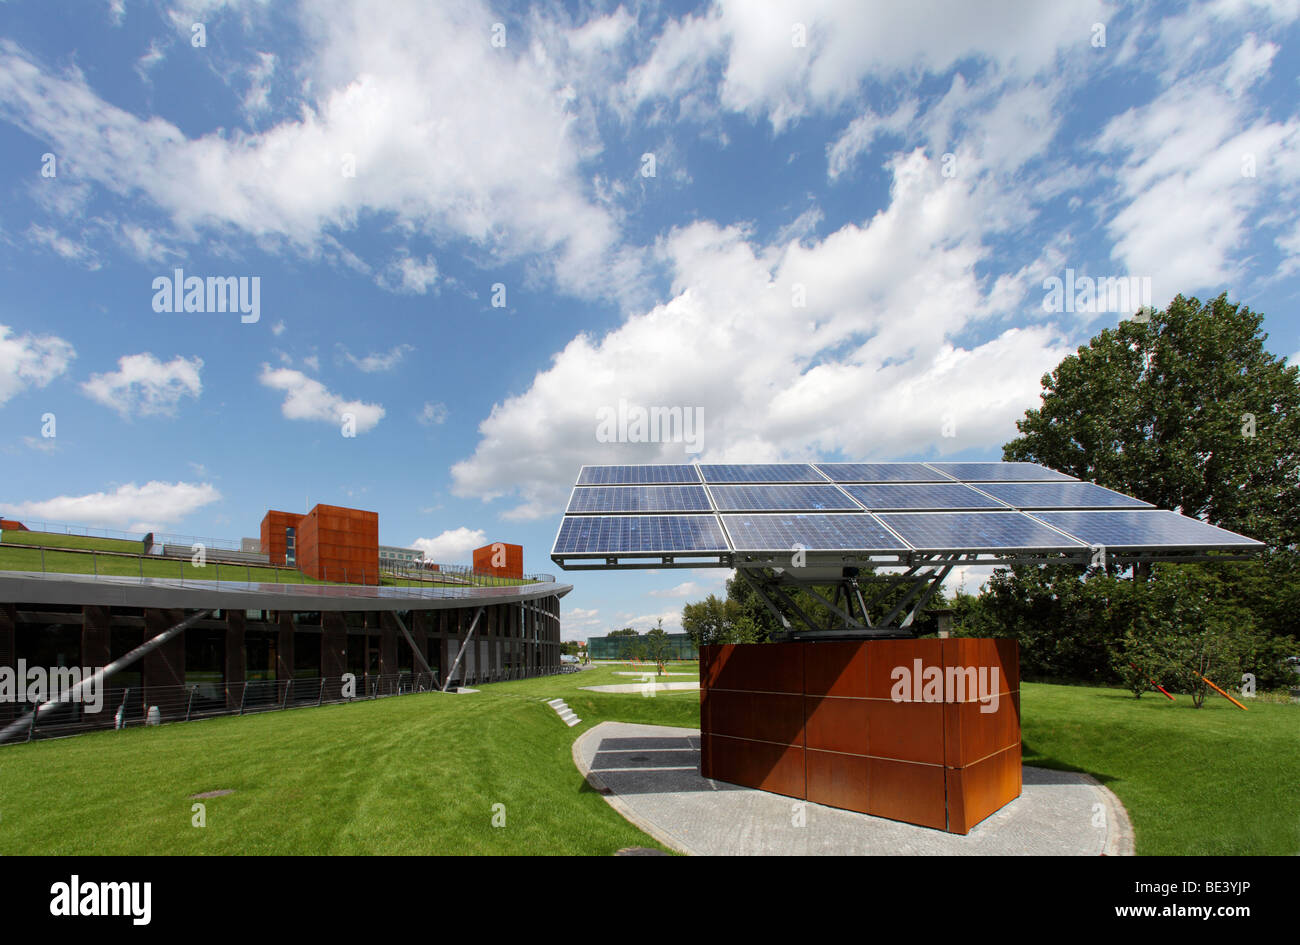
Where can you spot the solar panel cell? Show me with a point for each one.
(1059, 495)
(925, 495)
(639, 534)
(843, 531)
(810, 498)
(638, 475)
(760, 472)
(606, 499)
(1146, 528)
(1002, 472)
(975, 531)
(882, 472)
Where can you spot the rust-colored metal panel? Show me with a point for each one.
(769, 720)
(760, 667)
(913, 793)
(972, 733)
(501, 559)
(837, 780)
(835, 668)
(762, 765)
(884, 657)
(765, 716)
(1000, 653)
(978, 790)
(836, 724)
(906, 731)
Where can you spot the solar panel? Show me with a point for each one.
(636, 534)
(923, 495)
(984, 510)
(974, 531)
(882, 472)
(637, 475)
(760, 472)
(811, 498)
(639, 499)
(834, 532)
(1002, 472)
(1059, 495)
(1144, 529)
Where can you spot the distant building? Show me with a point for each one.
(622, 647)
(390, 556)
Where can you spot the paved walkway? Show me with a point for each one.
(644, 687)
(650, 775)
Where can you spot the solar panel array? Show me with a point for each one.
(864, 509)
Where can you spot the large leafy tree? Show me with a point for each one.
(1186, 410)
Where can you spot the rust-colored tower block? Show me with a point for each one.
(500, 558)
(862, 725)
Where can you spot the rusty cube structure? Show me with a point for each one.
(329, 543)
(500, 559)
(855, 724)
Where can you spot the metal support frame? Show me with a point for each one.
(851, 614)
(455, 664)
(411, 640)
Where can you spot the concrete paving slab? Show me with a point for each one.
(650, 775)
(644, 687)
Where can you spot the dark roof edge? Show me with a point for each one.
(37, 588)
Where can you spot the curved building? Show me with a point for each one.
(183, 649)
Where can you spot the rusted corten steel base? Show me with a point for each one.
(838, 723)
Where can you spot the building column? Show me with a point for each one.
(235, 669)
(284, 648)
(333, 653)
(163, 672)
(8, 653)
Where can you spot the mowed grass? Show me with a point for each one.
(1212, 781)
(59, 540)
(420, 774)
(16, 556)
(415, 774)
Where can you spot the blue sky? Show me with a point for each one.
(824, 226)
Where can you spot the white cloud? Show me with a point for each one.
(258, 97)
(309, 399)
(409, 275)
(868, 367)
(278, 329)
(765, 72)
(512, 186)
(1248, 65)
(29, 360)
(146, 386)
(453, 546)
(155, 505)
(65, 246)
(374, 363)
(433, 414)
(861, 133)
(143, 244)
(1188, 201)
(685, 589)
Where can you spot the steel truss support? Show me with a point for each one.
(461, 652)
(850, 612)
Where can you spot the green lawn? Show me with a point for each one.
(15, 556)
(1212, 781)
(420, 774)
(60, 540)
